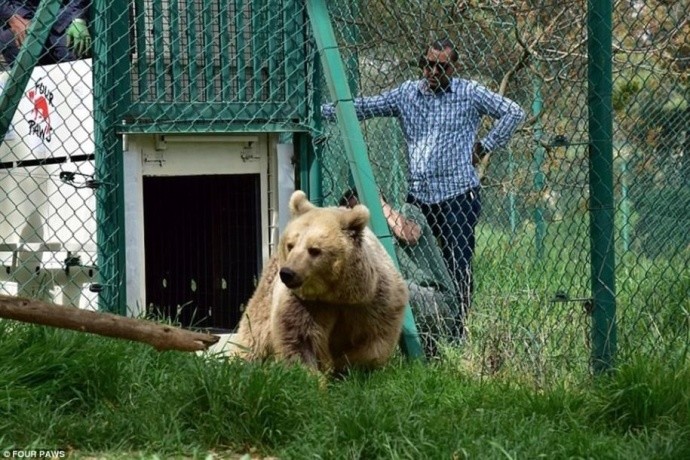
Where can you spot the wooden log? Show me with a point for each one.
(160, 336)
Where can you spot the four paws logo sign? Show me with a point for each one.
(42, 99)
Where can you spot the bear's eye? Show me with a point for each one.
(314, 251)
(289, 246)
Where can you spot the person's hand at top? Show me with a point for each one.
(78, 37)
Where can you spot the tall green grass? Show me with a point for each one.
(529, 317)
(98, 396)
(520, 387)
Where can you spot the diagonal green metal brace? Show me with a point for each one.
(27, 58)
(355, 148)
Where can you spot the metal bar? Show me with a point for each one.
(45, 161)
(112, 97)
(302, 147)
(142, 48)
(225, 49)
(275, 29)
(512, 207)
(258, 39)
(242, 89)
(159, 50)
(208, 51)
(538, 164)
(229, 112)
(315, 152)
(625, 206)
(356, 149)
(28, 56)
(192, 51)
(599, 44)
(294, 49)
(175, 51)
(208, 126)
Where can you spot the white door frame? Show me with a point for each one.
(185, 155)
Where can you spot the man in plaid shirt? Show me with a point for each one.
(440, 116)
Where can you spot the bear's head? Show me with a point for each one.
(318, 246)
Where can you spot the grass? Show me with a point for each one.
(103, 397)
(519, 326)
(519, 388)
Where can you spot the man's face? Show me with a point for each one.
(437, 68)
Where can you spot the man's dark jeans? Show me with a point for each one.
(453, 222)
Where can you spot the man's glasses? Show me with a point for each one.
(426, 64)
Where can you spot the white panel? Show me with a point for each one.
(134, 233)
(189, 158)
(286, 182)
(54, 119)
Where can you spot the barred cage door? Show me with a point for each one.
(203, 247)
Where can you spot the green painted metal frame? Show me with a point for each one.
(602, 213)
(355, 147)
(166, 104)
(214, 85)
(539, 178)
(314, 154)
(111, 95)
(28, 56)
(208, 127)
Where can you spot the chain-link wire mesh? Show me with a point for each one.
(652, 179)
(193, 66)
(217, 65)
(163, 67)
(532, 297)
(48, 242)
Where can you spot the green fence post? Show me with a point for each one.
(316, 151)
(625, 203)
(111, 94)
(539, 156)
(28, 56)
(599, 44)
(512, 208)
(355, 147)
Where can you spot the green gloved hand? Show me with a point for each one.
(78, 37)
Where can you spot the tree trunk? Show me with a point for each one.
(160, 336)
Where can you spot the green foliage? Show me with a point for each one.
(624, 91)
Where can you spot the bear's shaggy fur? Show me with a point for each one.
(330, 297)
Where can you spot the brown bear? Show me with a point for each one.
(330, 298)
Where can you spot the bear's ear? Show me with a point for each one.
(355, 219)
(299, 204)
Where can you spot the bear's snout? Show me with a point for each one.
(289, 278)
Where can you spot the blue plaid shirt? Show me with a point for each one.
(440, 130)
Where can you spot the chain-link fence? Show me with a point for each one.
(186, 67)
(532, 301)
(155, 68)
(48, 242)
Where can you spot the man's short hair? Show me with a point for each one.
(442, 44)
